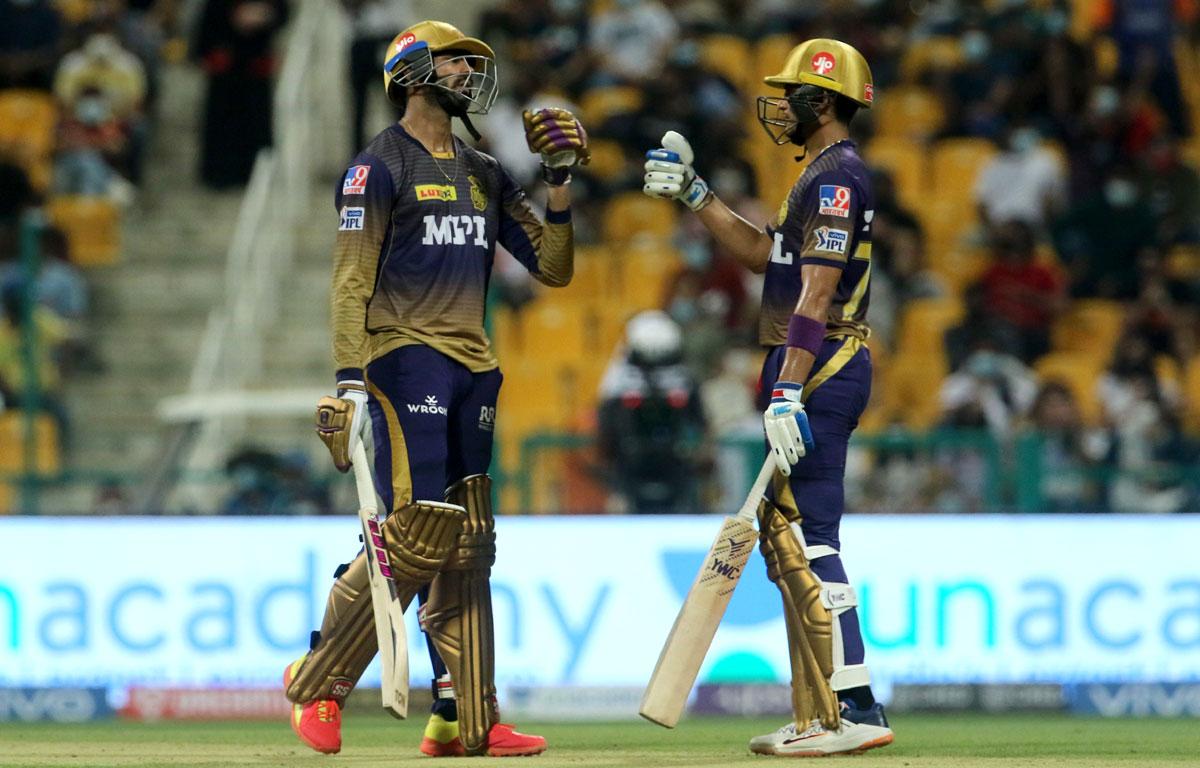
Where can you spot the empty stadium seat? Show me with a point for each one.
(941, 52)
(770, 53)
(910, 390)
(1191, 393)
(47, 455)
(647, 267)
(598, 104)
(1089, 326)
(955, 165)
(92, 227)
(905, 161)
(909, 112)
(630, 214)
(923, 324)
(958, 265)
(1078, 371)
(27, 122)
(608, 159)
(731, 57)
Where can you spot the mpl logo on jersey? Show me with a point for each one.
(831, 240)
(352, 219)
(835, 200)
(355, 182)
(823, 63)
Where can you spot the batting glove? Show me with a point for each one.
(669, 173)
(559, 137)
(340, 421)
(786, 424)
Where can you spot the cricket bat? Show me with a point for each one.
(389, 613)
(683, 653)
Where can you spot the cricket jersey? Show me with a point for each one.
(416, 239)
(825, 220)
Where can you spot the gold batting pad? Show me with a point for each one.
(334, 417)
(809, 623)
(458, 614)
(419, 537)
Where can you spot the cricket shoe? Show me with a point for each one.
(318, 723)
(441, 740)
(861, 729)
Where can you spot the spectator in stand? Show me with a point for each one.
(1142, 411)
(992, 390)
(102, 89)
(1094, 144)
(630, 41)
(92, 143)
(1166, 311)
(235, 48)
(980, 328)
(373, 24)
(1059, 85)
(1172, 190)
(31, 37)
(1024, 183)
(1145, 32)
(1100, 237)
(59, 285)
(976, 93)
(1068, 451)
(1021, 293)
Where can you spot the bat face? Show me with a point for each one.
(725, 561)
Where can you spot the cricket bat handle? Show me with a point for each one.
(362, 477)
(749, 510)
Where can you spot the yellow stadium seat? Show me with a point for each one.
(631, 214)
(8, 499)
(554, 331)
(959, 265)
(1107, 57)
(647, 268)
(1078, 371)
(1191, 393)
(770, 53)
(1183, 262)
(1084, 19)
(955, 165)
(941, 52)
(730, 57)
(908, 111)
(599, 104)
(905, 162)
(910, 390)
(608, 159)
(1090, 326)
(47, 454)
(28, 120)
(92, 226)
(924, 322)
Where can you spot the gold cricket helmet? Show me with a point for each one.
(409, 63)
(829, 64)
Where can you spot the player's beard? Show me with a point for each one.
(453, 102)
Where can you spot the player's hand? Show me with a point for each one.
(786, 424)
(340, 421)
(556, 135)
(669, 173)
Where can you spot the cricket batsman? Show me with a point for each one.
(816, 256)
(421, 214)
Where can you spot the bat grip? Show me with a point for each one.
(362, 477)
(750, 506)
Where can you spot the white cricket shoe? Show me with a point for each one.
(815, 741)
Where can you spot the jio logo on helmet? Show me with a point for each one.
(823, 63)
(405, 41)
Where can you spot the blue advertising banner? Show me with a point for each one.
(588, 601)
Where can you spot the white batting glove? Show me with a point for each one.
(786, 425)
(669, 173)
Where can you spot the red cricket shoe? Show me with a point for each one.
(441, 738)
(318, 723)
(504, 741)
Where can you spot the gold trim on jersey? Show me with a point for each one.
(401, 471)
(848, 350)
(860, 290)
(444, 192)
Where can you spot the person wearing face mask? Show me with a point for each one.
(815, 380)
(1024, 183)
(1100, 237)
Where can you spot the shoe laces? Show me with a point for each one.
(813, 729)
(325, 710)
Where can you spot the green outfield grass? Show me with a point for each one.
(939, 741)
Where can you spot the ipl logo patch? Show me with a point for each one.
(831, 240)
(478, 196)
(352, 220)
(835, 201)
(823, 63)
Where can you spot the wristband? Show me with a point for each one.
(556, 176)
(805, 333)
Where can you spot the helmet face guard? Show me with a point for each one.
(782, 116)
(472, 92)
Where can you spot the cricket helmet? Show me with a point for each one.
(408, 63)
(813, 69)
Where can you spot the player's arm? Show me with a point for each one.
(364, 204)
(669, 174)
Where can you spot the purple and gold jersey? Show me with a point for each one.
(415, 245)
(825, 220)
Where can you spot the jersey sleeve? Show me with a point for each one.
(830, 207)
(364, 203)
(546, 250)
